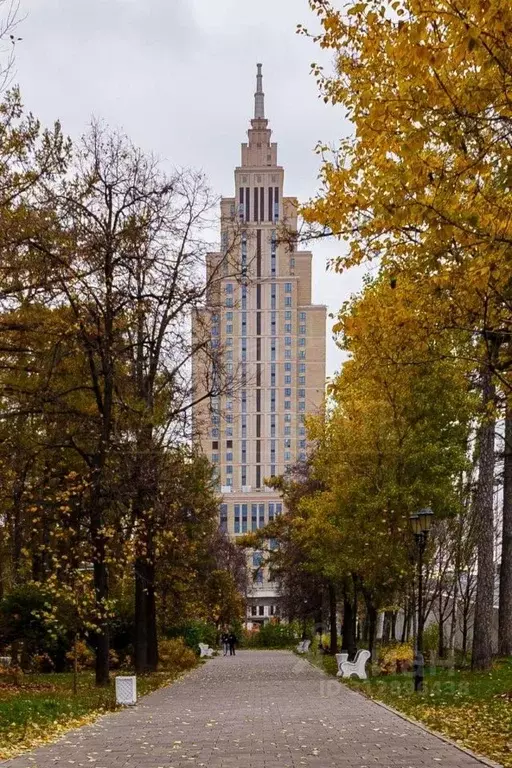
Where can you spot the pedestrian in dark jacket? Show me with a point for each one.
(225, 642)
(232, 641)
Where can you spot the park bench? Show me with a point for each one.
(205, 651)
(348, 668)
(303, 646)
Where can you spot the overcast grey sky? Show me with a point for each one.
(178, 76)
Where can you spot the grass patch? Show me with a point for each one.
(43, 707)
(472, 708)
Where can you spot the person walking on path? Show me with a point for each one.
(224, 639)
(232, 641)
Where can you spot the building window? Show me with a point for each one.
(261, 515)
(279, 508)
(215, 432)
(302, 443)
(288, 379)
(244, 518)
(287, 430)
(229, 341)
(287, 366)
(302, 317)
(302, 379)
(287, 392)
(229, 317)
(287, 287)
(302, 431)
(288, 328)
(229, 287)
(287, 301)
(272, 470)
(288, 354)
(229, 301)
(229, 328)
(215, 458)
(229, 469)
(254, 610)
(237, 518)
(223, 518)
(287, 456)
(287, 417)
(302, 342)
(254, 517)
(229, 456)
(287, 341)
(287, 405)
(302, 406)
(270, 512)
(302, 329)
(301, 393)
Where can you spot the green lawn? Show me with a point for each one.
(43, 706)
(472, 708)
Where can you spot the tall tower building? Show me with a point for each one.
(270, 338)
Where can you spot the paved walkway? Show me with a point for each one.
(260, 709)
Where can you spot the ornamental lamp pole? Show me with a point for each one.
(421, 522)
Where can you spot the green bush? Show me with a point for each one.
(431, 638)
(193, 633)
(22, 621)
(272, 636)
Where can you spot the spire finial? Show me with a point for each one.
(259, 96)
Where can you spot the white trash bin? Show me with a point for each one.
(126, 690)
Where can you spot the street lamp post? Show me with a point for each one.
(421, 523)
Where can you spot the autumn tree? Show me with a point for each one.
(422, 185)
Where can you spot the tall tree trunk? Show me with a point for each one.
(484, 513)
(348, 639)
(333, 618)
(151, 619)
(440, 643)
(505, 605)
(141, 627)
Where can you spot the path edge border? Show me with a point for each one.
(480, 758)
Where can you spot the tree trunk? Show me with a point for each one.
(348, 639)
(103, 635)
(484, 514)
(333, 618)
(141, 627)
(152, 632)
(440, 643)
(505, 605)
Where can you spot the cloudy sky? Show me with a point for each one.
(178, 76)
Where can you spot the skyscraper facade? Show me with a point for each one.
(271, 339)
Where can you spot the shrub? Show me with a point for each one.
(42, 662)
(193, 633)
(84, 656)
(431, 638)
(272, 636)
(397, 657)
(176, 655)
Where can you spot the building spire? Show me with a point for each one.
(259, 96)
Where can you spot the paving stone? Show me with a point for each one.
(258, 709)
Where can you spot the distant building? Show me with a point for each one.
(271, 339)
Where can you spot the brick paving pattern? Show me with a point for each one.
(259, 709)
